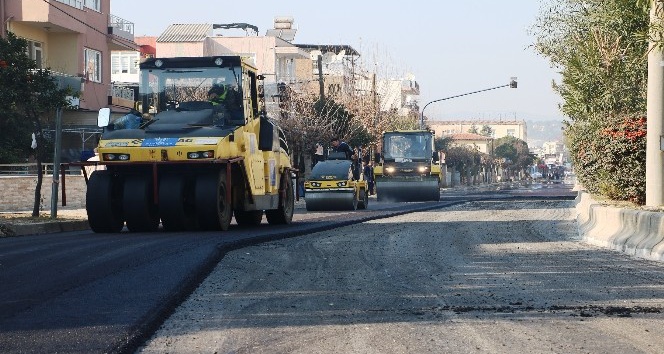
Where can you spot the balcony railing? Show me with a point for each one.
(73, 3)
(122, 92)
(124, 96)
(67, 81)
(121, 24)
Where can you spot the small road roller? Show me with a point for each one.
(333, 186)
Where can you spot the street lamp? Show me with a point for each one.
(512, 84)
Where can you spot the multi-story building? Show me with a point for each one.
(74, 39)
(285, 63)
(499, 129)
(399, 95)
(334, 64)
(125, 71)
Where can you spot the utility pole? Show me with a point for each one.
(375, 99)
(56, 163)
(655, 116)
(321, 83)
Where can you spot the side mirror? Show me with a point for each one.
(377, 157)
(104, 117)
(435, 156)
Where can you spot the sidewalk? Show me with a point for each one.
(22, 223)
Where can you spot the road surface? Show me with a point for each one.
(500, 276)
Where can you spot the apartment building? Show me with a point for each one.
(74, 38)
(331, 64)
(125, 71)
(517, 129)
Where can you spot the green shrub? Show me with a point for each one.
(610, 156)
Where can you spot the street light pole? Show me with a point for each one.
(512, 84)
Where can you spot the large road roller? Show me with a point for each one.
(408, 168)
(192, 163)
(333, 186)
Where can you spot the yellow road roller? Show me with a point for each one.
(332, 186)
(408, 168)
(194, 162)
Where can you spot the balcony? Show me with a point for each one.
(121, 34)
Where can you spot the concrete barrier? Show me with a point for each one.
(636, 232)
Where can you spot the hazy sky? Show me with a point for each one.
(451, 47)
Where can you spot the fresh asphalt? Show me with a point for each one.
(97, 293)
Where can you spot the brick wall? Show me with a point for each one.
(17, 193)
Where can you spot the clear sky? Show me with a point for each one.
(451, 47)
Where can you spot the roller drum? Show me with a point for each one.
(407, 189)
(330, 200)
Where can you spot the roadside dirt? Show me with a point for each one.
(25, 217)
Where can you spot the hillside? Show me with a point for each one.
(540, 132)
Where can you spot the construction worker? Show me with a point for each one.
(225, 100)
(341, 146)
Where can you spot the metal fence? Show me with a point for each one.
(30, 169)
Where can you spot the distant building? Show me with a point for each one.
(477, 142)
(337, 69)
(553, 147)
(499, 129)
(399, 94)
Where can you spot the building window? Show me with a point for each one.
(511, 132)
(34, 52)
(124, 63)
(92, 60)
(73, 3)
(93, 4)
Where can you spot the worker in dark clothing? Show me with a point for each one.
(367, 168)
(341, 146)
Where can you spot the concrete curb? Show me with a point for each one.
(47, 227)
(635, 232)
